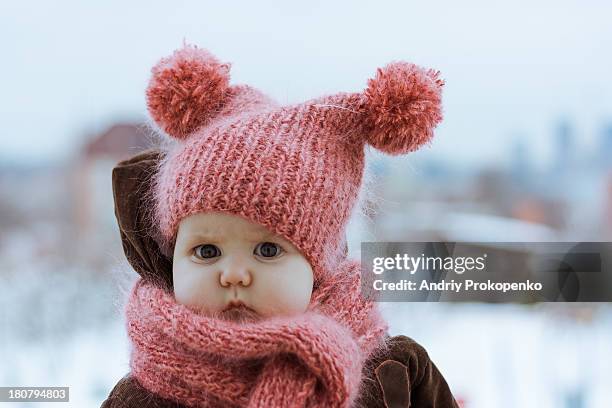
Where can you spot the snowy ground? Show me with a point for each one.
(500, 356)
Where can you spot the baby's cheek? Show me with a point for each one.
(284, 293)
(196, 289)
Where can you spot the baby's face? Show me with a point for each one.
(228, 266)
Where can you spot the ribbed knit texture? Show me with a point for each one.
(295, 169)
(314, 359)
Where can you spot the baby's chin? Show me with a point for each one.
(239, 314)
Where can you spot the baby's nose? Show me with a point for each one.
(235, 275)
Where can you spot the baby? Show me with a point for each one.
(237, 228)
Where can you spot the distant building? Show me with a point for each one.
(94, 210)
(539, 210)
(520, 165)
(564, 147)
(118, 142)
(605, 147)
(608, 210)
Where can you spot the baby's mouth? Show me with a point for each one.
(237, 311)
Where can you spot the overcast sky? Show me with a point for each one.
(512, 69)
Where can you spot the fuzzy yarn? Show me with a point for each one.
(314, 359)
(186, 89)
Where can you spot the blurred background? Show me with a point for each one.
(524, 154)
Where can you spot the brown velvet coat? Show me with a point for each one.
(400, 375)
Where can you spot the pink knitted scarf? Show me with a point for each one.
(310, 360)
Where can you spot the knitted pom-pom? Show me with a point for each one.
(186, 90)
(403, 106)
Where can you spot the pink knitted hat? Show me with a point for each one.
(294, 169)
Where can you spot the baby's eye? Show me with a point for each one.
(268, 249)
(207, 251)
